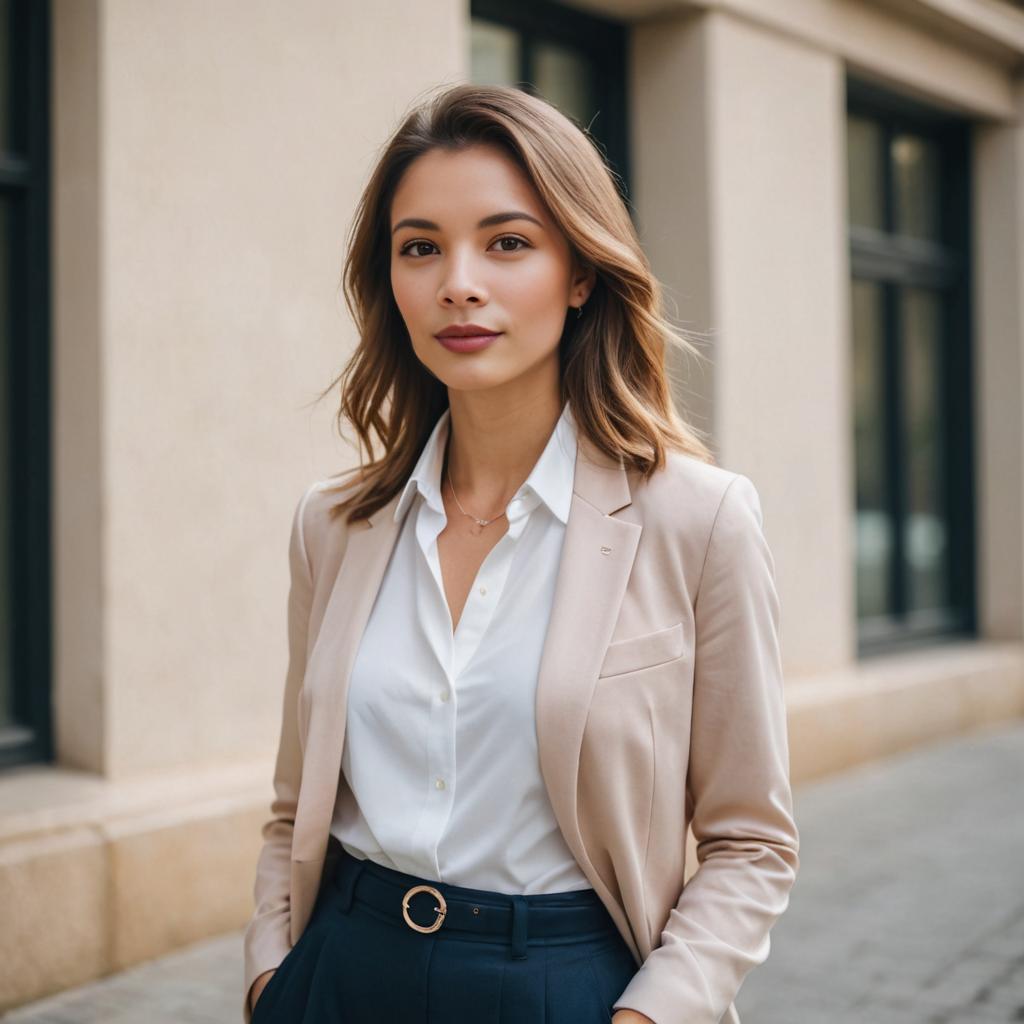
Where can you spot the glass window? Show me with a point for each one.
(6, 69)
(915, 164)
(574, 59)
(495, 55)
(925, 524)
(908, 216)
(873, 525)
(6, 664)
(866, 188)
(565, 77)
(24, 384)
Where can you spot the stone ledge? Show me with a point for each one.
(888, 704)
(97, 876)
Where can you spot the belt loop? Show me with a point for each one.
(348, 875)
(519, 911)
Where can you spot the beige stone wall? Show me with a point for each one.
(999, 325)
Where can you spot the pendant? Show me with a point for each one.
(477, 529)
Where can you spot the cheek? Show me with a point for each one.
(542, 287)
(409, 291)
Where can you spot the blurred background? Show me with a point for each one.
(832, 194)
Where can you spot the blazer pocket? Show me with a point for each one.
(644, 651)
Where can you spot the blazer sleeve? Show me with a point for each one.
(738, 786)
(266, 940)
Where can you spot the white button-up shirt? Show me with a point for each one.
(440, 753)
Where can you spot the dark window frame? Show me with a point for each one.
(894, 261)
(25, 187)
(601, 39)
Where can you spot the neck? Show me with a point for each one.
(493, 445)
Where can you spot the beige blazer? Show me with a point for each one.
(659, 705)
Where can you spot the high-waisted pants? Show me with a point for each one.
(553, 958)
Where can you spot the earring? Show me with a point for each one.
(579, 311)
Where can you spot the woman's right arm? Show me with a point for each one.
(267, 940)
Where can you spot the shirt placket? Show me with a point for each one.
(440, 694)
(453, 654)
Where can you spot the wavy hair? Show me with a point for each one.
(612, 360)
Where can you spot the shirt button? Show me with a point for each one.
(439, 783)
(445, 694)
(483, 590)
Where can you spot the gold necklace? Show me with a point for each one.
(480, 523)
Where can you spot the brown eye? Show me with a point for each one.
(404, 251)
(513, 238)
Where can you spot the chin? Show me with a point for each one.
(468, 380)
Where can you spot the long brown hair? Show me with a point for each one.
(612, 360)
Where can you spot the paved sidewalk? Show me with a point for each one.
(909, 904)
(908, 909)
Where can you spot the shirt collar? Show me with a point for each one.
(550, 480)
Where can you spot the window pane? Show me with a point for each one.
(494, 53)
(564, 77)
(6, 683)
(925, 528)
(865, 187)
(873, 525)
(6, 74)
(915, 163)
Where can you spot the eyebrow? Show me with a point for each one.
(494, 218)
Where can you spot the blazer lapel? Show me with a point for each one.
(597, 558)
(328, 670)
(360, 575)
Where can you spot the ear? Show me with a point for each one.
(584, 279)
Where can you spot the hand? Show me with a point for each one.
(630, 1017)
(257, 987)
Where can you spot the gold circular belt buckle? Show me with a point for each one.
(441, 910)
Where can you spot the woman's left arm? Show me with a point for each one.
(738, 784)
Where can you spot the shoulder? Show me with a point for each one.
(713, 515)
(699, 496)
(313, 526)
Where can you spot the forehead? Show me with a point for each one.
(462, 186)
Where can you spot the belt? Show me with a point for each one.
(427, 906)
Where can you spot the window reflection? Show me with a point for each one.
(872, 523)
(925, 540)
(494, 53)
(915, 165)
(865, 194)
(563, 77)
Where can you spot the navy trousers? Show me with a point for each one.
(493, 958)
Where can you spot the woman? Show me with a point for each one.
(531, 643)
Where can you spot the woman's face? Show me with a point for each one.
(456, 260)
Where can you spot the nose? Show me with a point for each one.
(460, 282)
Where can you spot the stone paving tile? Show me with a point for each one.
(908, 909)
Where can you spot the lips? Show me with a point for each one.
(465, 331)
(467, 342)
